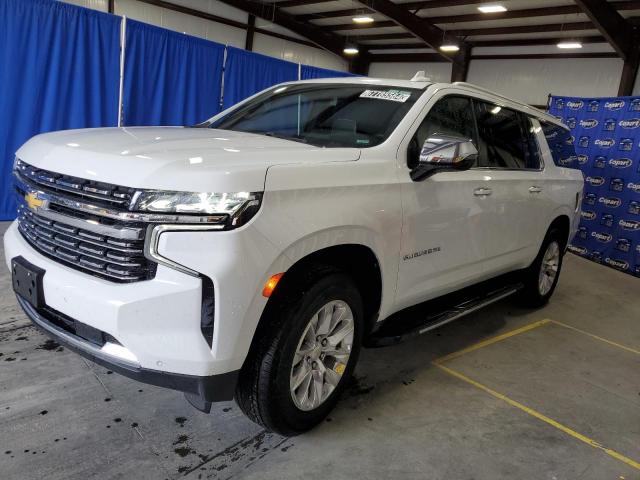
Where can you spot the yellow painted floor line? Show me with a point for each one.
(540, 416)
(492, 340)
(623, 347)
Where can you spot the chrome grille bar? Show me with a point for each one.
(98, 258)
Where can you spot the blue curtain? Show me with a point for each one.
(59, 69)
(308, 73)
(246, 73)
(606, 136)
(170, 78)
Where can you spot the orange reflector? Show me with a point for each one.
(270, 286)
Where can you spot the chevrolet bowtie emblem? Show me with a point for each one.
(33, 202)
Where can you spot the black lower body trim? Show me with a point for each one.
(214, 388)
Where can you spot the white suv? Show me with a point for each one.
(251, 256)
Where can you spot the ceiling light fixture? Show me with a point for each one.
(449, 48)
(362, 19)
(570, 44)
(350, 50)
(492, 8)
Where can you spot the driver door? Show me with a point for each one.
(442, 247)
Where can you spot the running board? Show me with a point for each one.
(404, 325)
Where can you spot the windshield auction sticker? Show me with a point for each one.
(392, 95)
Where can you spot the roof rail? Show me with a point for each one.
(491, 92)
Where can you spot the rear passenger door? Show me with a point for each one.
(510, 157)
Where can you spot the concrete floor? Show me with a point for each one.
(514, 408)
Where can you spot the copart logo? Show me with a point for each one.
(595, 181)
(615, 105)
(621, 264)
(578, 250)
(605, 142)
(588, 123)
(567, 161)
(582, 159)
(575, 105)
(611, 202)
(602, 237)
(634, 186)
(620, 162)
(587, 215)
(632, 123)
(629, 224)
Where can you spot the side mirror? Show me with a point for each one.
(444, 153)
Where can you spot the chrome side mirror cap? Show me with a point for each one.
(444, 153)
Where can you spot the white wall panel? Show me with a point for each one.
(531, 81)
(102, 5)
(221, 33)
(437, 71)
(180, 22)
(294, 52)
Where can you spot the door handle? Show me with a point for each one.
(482, 192)
(535, 189)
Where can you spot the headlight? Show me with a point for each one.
(235, 209)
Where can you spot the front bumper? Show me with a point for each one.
(157, 321)
(210, 388)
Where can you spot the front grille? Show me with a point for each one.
(106, 257)
(93, 244)
(98, 193)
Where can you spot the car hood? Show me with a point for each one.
(172, 158)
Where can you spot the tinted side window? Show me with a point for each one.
(533, 160)
(501, 138)
(561, 145)
(449, 116)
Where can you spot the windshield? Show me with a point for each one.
(326, 115)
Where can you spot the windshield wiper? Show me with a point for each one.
(283, 137)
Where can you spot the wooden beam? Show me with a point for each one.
(553, 27)
(407, 57)
(481, 17)
(296, 3)
(361, 26)
(541, 56)
(519, 42)
(333, 14)
(384, 36)
(316, 34)
(396, 46)
(225, 21)
(360, 65)
(629, 74)
(611, 25)
(432, 57)
(460, 68)
(420, 28)
(526, 13)
(440, 4)
(251, 28)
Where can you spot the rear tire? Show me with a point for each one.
(541, 278)
(289, 349)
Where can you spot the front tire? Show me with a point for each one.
(541, 278)
(305, 355)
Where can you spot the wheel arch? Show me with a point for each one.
(358, 260)
(562, 223)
